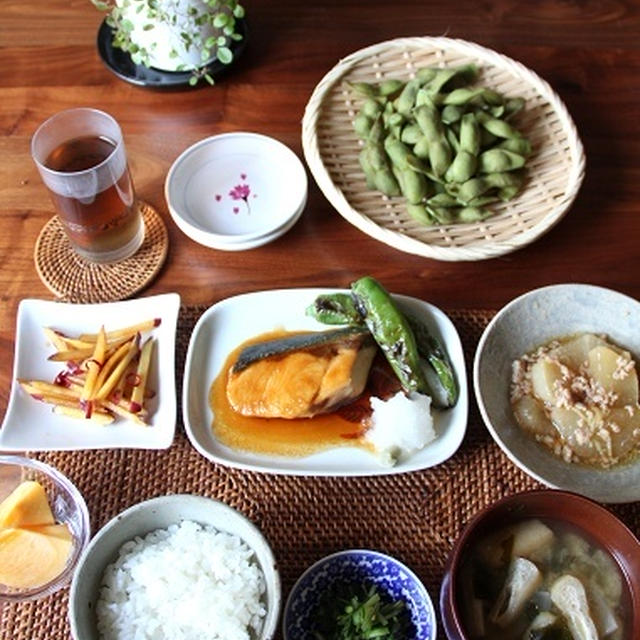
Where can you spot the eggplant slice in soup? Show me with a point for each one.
(301, 375)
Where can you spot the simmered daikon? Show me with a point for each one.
(579, 397)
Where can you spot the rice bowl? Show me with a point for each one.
(227, 556)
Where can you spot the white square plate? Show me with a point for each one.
(232, 321)
(30, 425)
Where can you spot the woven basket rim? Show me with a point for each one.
(399, 240)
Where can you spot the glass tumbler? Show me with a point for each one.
(81, 158)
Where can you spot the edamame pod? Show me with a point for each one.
(410, 134)
(470, 134)
(362, 125)
(391, 330)
(499, 160)
(419, 213)
(462, 168)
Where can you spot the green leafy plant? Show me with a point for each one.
(190, 21)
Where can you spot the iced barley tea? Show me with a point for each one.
(106, 218)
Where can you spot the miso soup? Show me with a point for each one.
(541, 580)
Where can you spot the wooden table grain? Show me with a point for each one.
(588, 51)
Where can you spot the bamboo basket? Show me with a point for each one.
(555, 169)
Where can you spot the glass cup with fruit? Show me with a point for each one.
(81, 158)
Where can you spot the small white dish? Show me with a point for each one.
(230, 322)
(30, 425)
(160, 513)
(236, 189)
(533, 320)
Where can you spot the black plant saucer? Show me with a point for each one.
(120, 62)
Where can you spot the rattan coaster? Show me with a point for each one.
(74, 279)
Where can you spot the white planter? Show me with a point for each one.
(164, 38)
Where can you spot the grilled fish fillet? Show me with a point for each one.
(301, 375)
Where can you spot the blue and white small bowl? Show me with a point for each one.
(357, 565)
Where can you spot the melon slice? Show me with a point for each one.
(26, 505)
(29, 559)
(54, 530)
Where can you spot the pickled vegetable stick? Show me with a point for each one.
(74, 343)
(55, 338)
(142, 373)
(112, 380)
(94, 365)
(121, 411)
(112, 362)
(39, 387)
(126, 332)
(97, 416)
(76, 355)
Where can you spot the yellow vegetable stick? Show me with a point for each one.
(94, 365)
(142, 373)
(119, 370)
(112, 362)
(118, 409)
(99, 417)
(55, 338)
(126, 332)
(79, 355)
(40, 387)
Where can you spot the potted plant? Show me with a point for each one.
(175, 35)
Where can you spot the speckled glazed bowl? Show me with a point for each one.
(598, 524)
(526, 323)
(362, 566)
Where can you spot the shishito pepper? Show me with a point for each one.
(391, 330)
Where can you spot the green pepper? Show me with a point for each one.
(391, 330)
(335, 308)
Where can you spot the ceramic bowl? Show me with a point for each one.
(522, 325)
(236, 191)
(387, 574)
(586, 517)
(68, 507)
(160, 513)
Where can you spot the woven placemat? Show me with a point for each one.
(74, 279)
(415, 517)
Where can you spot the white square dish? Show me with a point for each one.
(232, 321)
(30, 425)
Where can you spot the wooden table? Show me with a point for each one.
(587, 51)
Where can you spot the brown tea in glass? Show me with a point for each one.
(81, 157)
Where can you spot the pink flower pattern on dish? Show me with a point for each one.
(239, 192)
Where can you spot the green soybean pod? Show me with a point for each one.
(362, 125)
(513, 106)
(364, 89)
(462, 168)
(407, 98)
(492, 98)
(377, 132)
(421, 148)
(472, 214)
(499, 160)
(472, 188)
(470, 137)
(507, 193)
(442, 215)
(386, 182)
(452, 138)
(499, 128)
(371, 108)
(439, 156)
(451, 113)
(419, 213)
(507, 180)
(397, 151)
(443, 200)
(423, 97)
(390, 87)
(462, 96)
(425, 74)
(429, 121)
(410, 133)
(414, 186)
(481, 201)
(369, 173)
(377, 156)
(487, 139)
(517, 145)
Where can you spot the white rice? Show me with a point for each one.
(400, 426)
(185, 582)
